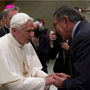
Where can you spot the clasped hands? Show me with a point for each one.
(56, 79)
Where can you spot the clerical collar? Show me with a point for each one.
(14, 41)
(7, 26)
(73, 31)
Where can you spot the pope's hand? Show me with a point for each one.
(49, 80)
(59, 78)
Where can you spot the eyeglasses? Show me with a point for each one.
(55, 24)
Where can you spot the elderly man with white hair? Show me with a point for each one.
(20, 68)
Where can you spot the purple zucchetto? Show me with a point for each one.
(9, 6)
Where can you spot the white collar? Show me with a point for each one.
(13, 40)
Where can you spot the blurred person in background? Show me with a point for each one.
(1, 20)
(8, 12)
(59, 51)
(40, 43)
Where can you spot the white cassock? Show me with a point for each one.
(12, 56)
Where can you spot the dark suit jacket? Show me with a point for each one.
(80, 59)
(3, 31)
(43, 50)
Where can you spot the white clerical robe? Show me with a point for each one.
(11, 76)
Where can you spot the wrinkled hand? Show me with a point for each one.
(36, 25)
(66, 76)
(49, 80)
(50, 75)
(59, 78)
(56, 79)
(52, 38)
(64, 45)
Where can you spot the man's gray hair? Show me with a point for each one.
(5, 12)
(73, 14)
(19, 20)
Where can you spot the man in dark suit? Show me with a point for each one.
(70, 25)
(8, 12)
(1, 20)
(41, 42)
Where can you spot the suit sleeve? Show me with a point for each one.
(80, 52)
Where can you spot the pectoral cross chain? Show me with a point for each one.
(25, 72)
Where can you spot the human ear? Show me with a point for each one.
(14, 31)
(66, 20)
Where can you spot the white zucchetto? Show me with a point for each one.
(20, 19)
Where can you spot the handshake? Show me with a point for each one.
(56, 79)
